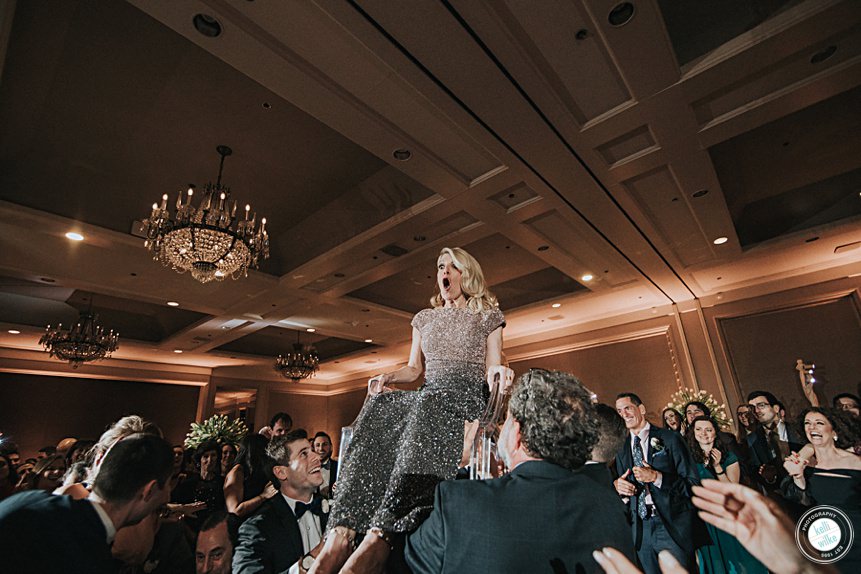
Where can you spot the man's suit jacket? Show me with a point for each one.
(41, 532)
(539, 518)
(761, 453)
(269, 541)
(672, 500)
(333, 472)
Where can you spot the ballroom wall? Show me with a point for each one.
(316, 413)
(37, 410)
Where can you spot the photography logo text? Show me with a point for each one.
(824, 534)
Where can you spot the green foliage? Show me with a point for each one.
(217, 428)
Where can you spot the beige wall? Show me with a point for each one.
(315, 413)
(36, 411)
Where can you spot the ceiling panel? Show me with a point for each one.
(272, 341)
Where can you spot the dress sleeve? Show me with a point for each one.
(420, 319)
(492, 320)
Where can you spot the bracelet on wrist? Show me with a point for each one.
(384, 536)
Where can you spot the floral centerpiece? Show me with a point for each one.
(684, 396)
(217, 428)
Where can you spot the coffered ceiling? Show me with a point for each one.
(585, 160)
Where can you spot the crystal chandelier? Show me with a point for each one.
(85, 341)
(300, 364)
(207, 240)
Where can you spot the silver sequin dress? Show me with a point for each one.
(406, 442)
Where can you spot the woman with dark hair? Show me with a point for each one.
(725, 554)
(834, 477)
(8, 477)
(207, 486)
(248, 483)
(672, 419)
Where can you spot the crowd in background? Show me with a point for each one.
(210, 491)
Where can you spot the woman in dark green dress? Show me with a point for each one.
(725, 554)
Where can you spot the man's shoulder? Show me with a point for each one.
(39, 501)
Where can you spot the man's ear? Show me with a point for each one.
(515, 433)
(148, 490)
(642, 408)
(280, 472)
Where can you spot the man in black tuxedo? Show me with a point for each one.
(41, 532)
(771, 442)
(656, 473)
(328, 465)
(546, 515)
(286, 532)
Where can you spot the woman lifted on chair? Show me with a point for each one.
(406, 442)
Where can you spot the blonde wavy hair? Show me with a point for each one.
(478, 298)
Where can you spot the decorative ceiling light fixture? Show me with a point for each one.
(299, 364)
(208, 240)
(85, 341)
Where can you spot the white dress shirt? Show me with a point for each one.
(309, 525)
(110, 529)
(645, 446)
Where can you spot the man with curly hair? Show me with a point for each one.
(546, 514)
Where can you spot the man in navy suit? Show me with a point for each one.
(286, 532)
(41, 532)
(656, 473)
(548, 514)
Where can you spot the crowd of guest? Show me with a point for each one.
(130, 502)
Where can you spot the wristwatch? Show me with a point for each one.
(306, 562)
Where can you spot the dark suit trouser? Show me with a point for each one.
(655, 539)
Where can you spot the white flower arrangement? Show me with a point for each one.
(217, 428)
(684, 396)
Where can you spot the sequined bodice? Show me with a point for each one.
(450, 334)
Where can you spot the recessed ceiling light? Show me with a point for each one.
(369, 340)
(402, 154)
(173, 304)
(47, 280)
(74, 236)
(310, 329)
(543, 247)
(587, 277)
(207, 25)
(177, 351)
(556, 305)
(621, 14)
(823, 55)
(14, 332)
(700, 193)
(720, 240)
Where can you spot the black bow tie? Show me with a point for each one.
(325, 465)
(316, 507)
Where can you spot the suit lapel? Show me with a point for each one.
(627, 457)
(288, 519)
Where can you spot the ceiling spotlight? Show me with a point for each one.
(587, 277)
(720, 240)
(369, 340)
(556, 305)
(74, 236)
(700, 193)
(14, 332)
(172, 304)
(310, 329)
(402, 154)
(177, 351)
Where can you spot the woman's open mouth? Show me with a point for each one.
(446, 283)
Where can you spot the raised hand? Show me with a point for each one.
(614, 562)
(754, 520)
